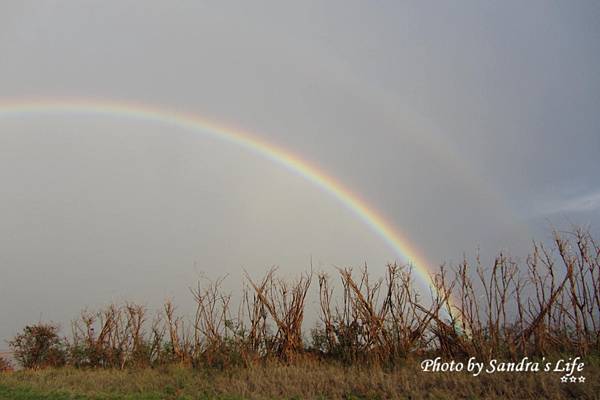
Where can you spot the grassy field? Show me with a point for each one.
(309, 379)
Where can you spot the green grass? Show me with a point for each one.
(25, 392)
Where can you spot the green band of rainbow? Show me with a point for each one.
(376, 222)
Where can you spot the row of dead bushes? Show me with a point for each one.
(550, 303)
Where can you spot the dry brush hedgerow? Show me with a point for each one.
(547, 305)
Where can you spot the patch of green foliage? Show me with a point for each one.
(27, 393)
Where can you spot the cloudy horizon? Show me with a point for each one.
(471, 126)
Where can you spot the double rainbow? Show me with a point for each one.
(375, 221)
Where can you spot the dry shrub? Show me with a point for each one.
(549, 304)
(39, 346)
(284, 302)
(115, 337)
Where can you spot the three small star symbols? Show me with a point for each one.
(572, 379)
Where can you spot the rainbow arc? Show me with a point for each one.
(393, 237)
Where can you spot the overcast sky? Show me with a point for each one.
(466, 125)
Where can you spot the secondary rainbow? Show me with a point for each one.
(375, 221)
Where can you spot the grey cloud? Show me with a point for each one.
(464, 125)
(583, 203)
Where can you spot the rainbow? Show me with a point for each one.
(375, 221)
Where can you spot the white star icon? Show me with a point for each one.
(573, 379)
(564, 379)
(582, 379)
